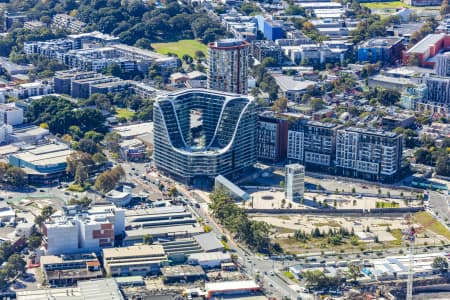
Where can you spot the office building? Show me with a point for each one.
(313, 144)
(134, 260)
(11, 20)
(68, 269)
(427, 48)
(423, 2)
(368, 154)
(390, 82)
(32, 89)
(5, 132)
(315, 54)
(79, 84)
(228, 66)
(67, 23)
(34, 25)
(271, 137)
(386, 50)
(412, 96)
(10, 114)
(43, 164)
(294, 182)
(437, 93)
(199, 134)
(76, 51)
(442, 65)
(264, 49)
(270, 29)
(292, 87)
(77, 230)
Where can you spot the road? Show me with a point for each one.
(263, 268)
(254, 266)
(439, 205)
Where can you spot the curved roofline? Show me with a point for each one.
(228, 98)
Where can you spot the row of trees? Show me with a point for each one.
(254, 233)
(107, 180)
(264, 80)
(333, 236)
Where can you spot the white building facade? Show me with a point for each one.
(294, 182)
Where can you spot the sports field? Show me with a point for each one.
(180, 48)
(385, 5)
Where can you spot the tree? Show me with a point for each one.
(187, 59)
(104, 182)
(118, 173)
(199, 54)
(443, 165)
(313, 277)
(111, 141)
(34, 241)
(147, 239)
(316, 104)
(78, 158)
(388, 97)
(16, 265)
(93, 135)
(445, 9)
(107, 180)
(280, 105)
(81, 174)
(173, 192)
(440, 263)
(16, 176)
(354, 270)
(3, 169)
(99, 159)
(414, 60)
(83, 202)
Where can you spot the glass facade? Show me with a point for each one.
(226, 125)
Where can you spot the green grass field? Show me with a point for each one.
(430, 223)
(180, 48)
(385, 5)
(125, 113)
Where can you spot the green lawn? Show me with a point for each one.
(385, 5)
(289, 275)
(180, 48)
(125, 113)
(430, 223)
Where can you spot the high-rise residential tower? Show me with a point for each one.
(228, 65)
(200, 134)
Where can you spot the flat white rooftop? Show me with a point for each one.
(231, 285)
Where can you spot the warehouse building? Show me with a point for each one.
(43, 164)
(99, 289)
(67, 270)
(134, 260)
(397, 267)
(182, 273)
(231, 288)
(209, 260)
